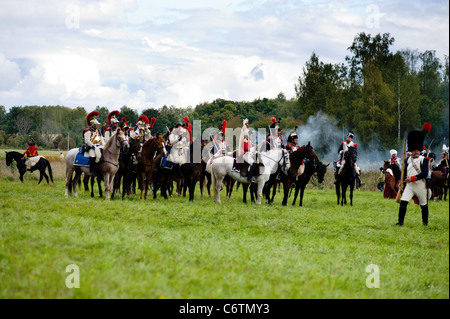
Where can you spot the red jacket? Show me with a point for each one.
(31, 151)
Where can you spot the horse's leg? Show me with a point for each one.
(259, 192)
(244, 192)
(297, 188)
(338, 191)
(302, 191)
(99, 183)
(208, 184)
(141, 184)
(75, 182)
(69, 181)
(287, 187)
(352, 185)
(108, 180)
(86, 182)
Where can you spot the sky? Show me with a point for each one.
(146, 54)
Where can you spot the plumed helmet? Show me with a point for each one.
(186, 121)
(90, 118)
(292, 135)
(393, 152)
(31, 140)
(416, 138)
(112, 117)
(351, 134)
(142, 120)
(124, 123)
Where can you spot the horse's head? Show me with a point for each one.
(122, 139)
(386, 165)
(135, 145)
(321, 170)
(310, 154)
(9, 159)
(160, 144)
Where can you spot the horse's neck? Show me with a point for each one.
(113, 150)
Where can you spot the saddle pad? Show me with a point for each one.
(166, 164)
(80, 159)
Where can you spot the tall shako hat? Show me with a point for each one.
(416, 137)
(112, 117)
(351, 134)
(293, 135)
(90, 119)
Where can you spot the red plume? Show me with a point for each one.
(274, 120)
(186, 120)
(90, 116)
(426, 128)
(224, 126)
(144, 118)
(124, 120)
(189, 129)
(152, 122)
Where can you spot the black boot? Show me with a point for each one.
(360, 184)
(401, 213)
(252, 172)
(424, 214)
(92, 165)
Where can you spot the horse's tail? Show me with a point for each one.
(50, 171)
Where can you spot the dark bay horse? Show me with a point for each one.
(191, 172)
(127, 168)
(146, 164)
(41, 165)
(311, 168)
(347, 177)
(295, 159)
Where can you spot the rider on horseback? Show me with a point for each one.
(292, 141)
(179, 140)
(93, 139)
(220, 146)
(246, 151)
(30, 152)
(339, 164)
(141, 131)
(113, 123)
(274, 139)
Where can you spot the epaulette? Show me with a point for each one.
(342, 143)
(85, 130)
(427, 158)
(107, 130)
(356, 145)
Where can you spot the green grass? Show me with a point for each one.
(176, 249)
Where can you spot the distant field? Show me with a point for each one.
(176, 249)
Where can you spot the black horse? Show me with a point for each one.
(311, 168)
(41, 165)
(347, 177)
(127, 168)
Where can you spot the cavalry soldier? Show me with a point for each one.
(274, 139)
(416, 171)
(179, 140)
(220, 146)
(394, 160)
(188, 127)
(93, 139)
(124, 126)
(339, 164)
(292, 141)
(30, 152)
(113, 123)
(141, 131)
(247, 152)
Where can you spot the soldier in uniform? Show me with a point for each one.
(179, 141)
(93, 139)
(416, 172)
(292, 141)
(113, 123)
(30, 152)
(340, 163)
(142, 129)
(247, 152)
(220, 146)
(124, 126)
(394, 160)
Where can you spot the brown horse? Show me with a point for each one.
(389, 181)
(146, 165)
(107, 168)
(438, 185)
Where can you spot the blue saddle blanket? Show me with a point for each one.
(166, 164)
(80, 159)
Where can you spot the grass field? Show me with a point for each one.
(176, 249)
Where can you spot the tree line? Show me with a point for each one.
(377, 93)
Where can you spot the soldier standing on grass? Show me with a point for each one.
(416, 171)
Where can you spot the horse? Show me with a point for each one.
(146, 165)
(390, 182)
(274, 179)
(296, 158)
(127, 168)
(222, 166)
(347, 177)
(41, 165)
(437, 184)
(310, 169)
(191, 172)
(107, 168)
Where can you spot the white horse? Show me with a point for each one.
(108, 167)
(219, 167)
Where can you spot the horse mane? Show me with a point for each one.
(108, 144)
